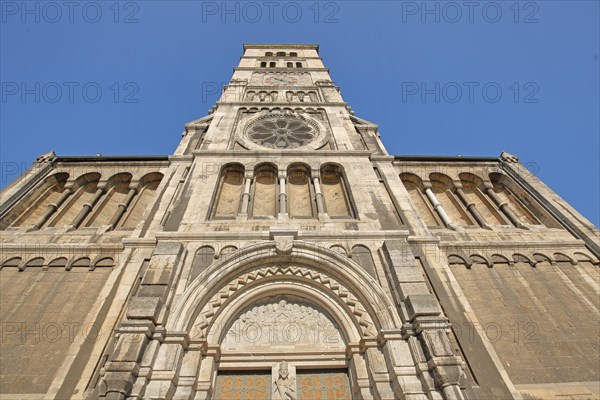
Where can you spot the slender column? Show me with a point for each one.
(319, 196)
(503, 206)
(282, 196)
(438, 207)
(123, 207)
(87, 207)
(246, 196)
(53, 207)
(470, 206)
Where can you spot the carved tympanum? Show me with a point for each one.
(283, 323)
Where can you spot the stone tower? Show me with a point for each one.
(282, 253)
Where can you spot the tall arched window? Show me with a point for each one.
(299, 191)
(298, 65)
(117, 189)
(290, 65)
(148, 185)
(415, 190)
(263, 64)
(272, 64)
(335, 192)
(362, 256)
(230, 188)
(264, 200)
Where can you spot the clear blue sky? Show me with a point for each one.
(428, 73)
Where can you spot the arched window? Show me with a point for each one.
(202, 259)
(299, 191)
(290, 65)
(272, 64)
(298, 65)
(116, 192)
(230, 190)
(263, 64)
(269, 54)
(293, 54)
(264, 199)
(149, 183)
(36, 204)
(281, 54)
(85, 187)
(335, 194)
(362, 256)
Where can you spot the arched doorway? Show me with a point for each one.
(290, 324)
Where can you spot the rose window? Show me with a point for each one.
(281, 132)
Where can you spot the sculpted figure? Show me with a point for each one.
(284, 385)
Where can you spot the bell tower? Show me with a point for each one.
(282, 253)
(282, 147)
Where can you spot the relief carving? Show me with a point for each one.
(283, 323)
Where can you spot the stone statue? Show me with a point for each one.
(284, 385)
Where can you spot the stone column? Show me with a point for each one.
(87, 207)
(471, 207)
(282, 196)
(437, 206)
(68, 191)
(246, 196)
(319, 196)
(121, 208)
(503, 206)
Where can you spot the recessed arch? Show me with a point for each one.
(414, 186)
(60, 262)
(33, 206)
(35, 262)
(264, 191)
(12, 262)
(305, 263)
(84, 190)
(229, 191)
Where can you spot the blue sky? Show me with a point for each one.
(439, 78)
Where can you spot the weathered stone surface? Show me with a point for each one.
(280, 251)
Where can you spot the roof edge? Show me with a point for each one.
(445, 158)
(111, 158)
(287, 45)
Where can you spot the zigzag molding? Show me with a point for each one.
(338, 289)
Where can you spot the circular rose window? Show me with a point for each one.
(281, 132)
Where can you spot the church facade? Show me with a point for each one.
(282, 253)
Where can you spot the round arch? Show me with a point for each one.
(304, 264)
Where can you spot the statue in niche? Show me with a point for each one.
(284, 385)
